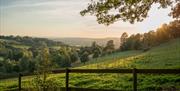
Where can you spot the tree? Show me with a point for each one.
(149, 40)
(84, 57)
(43, 70)
(64, 58)
(162, 33)
(174, 29)
(32, 65)
(96, 50)
(2, 69)
(8, 65)
(110, 11)
(74, 56)
(16, 68)
(25, 60)
(17, 54)
(123, 39)
(137, 42)
(24, 64)
(129, 44)
(175, 11)
(134, 42)
(109, 47)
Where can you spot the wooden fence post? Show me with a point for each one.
(67, 79)
(134, 79)
(19, 81)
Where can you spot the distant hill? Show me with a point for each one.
(29, 41)
(87, 41)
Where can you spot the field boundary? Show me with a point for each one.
(126, 71)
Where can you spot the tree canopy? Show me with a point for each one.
(152, 38)
(110, 11)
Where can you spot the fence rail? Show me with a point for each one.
(133, 71)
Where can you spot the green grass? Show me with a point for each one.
(15, 44)
(164, 56)
(1, 58)
(56, 47)
(109, 58)
(21, 46)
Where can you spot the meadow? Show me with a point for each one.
(164, 56)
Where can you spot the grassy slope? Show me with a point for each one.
(163, 56)
(16, 44)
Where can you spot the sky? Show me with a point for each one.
(61, 18)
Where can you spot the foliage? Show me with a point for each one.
(152, 38)
(84, 57)
(44, 67)
(109, 48)
(19, 54)
(110, 11)
(74, 56)
(96, 50)
(175, 11)
(65, 57)
(123, 38)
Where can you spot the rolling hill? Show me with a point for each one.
(164, 56)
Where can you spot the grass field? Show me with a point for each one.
(164, 56)
(15, 44)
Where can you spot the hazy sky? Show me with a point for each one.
(61, 18)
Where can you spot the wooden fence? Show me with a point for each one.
(133, 71)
